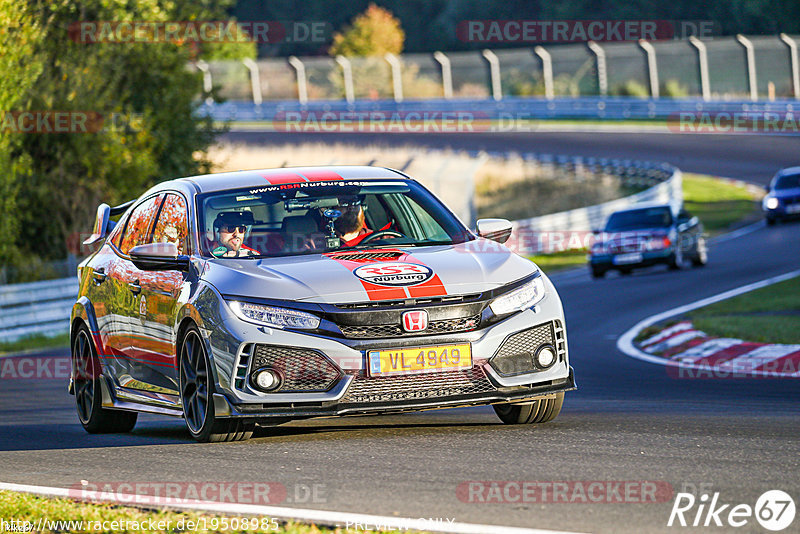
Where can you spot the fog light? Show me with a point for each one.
(266, 380)
(545, 357)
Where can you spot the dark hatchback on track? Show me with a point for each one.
(646, 235)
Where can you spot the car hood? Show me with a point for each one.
(411, 272)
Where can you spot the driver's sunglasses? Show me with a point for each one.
(229, 229)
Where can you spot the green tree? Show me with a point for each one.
(52, 182)
(375, 32)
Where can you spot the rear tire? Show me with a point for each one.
(87, 374)
(540, 411)
(676, 261)
(197, 400)
(625, 272)
(597, 273)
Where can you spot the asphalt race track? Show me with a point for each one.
(629, 420)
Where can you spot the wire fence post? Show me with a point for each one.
(702, 57)
(794, 64)
(547, 71)
(447, 73)
(302, 85)
(255, 79)
(652, 67)
(602, 73)
(494, 71)
(347, 73)
(397, 76)
(752, 80)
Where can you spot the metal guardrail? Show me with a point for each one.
(339, 115)
(36, 308)
(43, 308)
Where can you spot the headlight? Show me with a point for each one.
(275, 317)
(771, 203)
(521, 298)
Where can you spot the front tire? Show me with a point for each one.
(539, 411)
(701, 258)
(197, 389)
(87, 374)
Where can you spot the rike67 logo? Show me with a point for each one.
(774, 510)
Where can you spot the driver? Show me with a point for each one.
(230, 230)
(350, 225)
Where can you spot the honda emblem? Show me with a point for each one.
(415, 321)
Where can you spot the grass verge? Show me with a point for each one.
(767, 315)
(560, 261)
(719, 204)
(34, 343)
(21, 507)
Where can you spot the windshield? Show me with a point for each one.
(639, 219)
(314, 217)
(788, 181)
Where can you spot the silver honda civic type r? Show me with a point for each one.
(260, 297)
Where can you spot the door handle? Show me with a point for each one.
(135, 287)
(99, 276)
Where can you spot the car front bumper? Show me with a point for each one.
(649, 258)
(234, 342)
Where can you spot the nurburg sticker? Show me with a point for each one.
(394, 274)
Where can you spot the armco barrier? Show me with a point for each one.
(36, 308)
(43, 308)
(509, 108)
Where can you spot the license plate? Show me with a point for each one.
(622, 259)
(793, 209)
(419, 359)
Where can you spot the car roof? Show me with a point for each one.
(261, 177)
(788, 170)
(646, 205)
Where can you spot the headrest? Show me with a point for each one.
(299, 224)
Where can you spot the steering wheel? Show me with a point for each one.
(380, 234)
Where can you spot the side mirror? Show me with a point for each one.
(158, 257)
(495, 229)
(101, 225)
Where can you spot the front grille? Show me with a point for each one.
(366, 389)
(515, 355)
(447, 326)
(303, 370)
(410, 303)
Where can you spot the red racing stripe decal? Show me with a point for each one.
(319, 175)
(433, 287)
(284, 178)
(374, 292)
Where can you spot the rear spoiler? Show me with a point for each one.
(103, 223)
